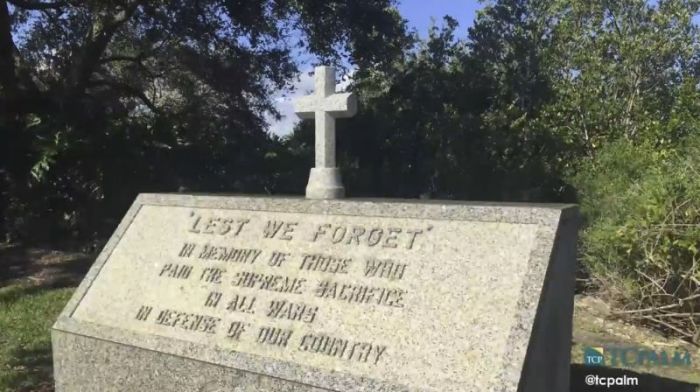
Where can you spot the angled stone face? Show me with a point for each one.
(198, 293)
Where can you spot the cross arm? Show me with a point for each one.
(337, 105)
(341, 105)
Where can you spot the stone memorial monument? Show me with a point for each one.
(244, 293)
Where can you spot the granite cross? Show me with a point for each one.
(324, 106)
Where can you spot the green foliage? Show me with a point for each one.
(617, 69)
(102, 100)
(591, 101)
(428, 126)
(546, 98)
(642, 240)
(412, 135)
(625, 109)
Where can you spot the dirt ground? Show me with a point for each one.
(596, 326)
(42, 267)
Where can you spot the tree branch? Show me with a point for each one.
(651, 309)
(127, 89)
(109, 59)
(136, 60)
(89, 57)
(8, 77)
(37, 5)
(667, 325)
(20, 92)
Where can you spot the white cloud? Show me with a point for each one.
(283, 101)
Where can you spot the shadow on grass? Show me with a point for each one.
(26, 359)
(646, 382)
(46, 269)
(34, 286)
(32, 370)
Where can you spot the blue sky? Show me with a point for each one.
(420, 14)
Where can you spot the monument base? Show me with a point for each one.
(86, 364)
(324, 183)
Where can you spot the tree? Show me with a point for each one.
(451, 118)
(424, 129)
(102, 99)
(625, 83)
(618, 69)
(509, 45)
(410, 136)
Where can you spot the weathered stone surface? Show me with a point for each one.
(287, 294)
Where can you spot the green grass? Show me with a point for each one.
(26, 315)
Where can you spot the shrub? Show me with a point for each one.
(642, 237)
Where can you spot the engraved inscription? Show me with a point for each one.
(242, 303)
(389, 237)
(360, 294)
(280, 230)
(388, 269)
(325, 263)
(352, 295)
(229, 254)
(274, 336)
(143, 313)
(187, 249)
(292, 311)
(177, 271)
(210, 224)
(213, 299)
(236, 329)
(277, 259)
(270, 282)
(234, 266)
(188, 321)
(342, 348)
(212, 275)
